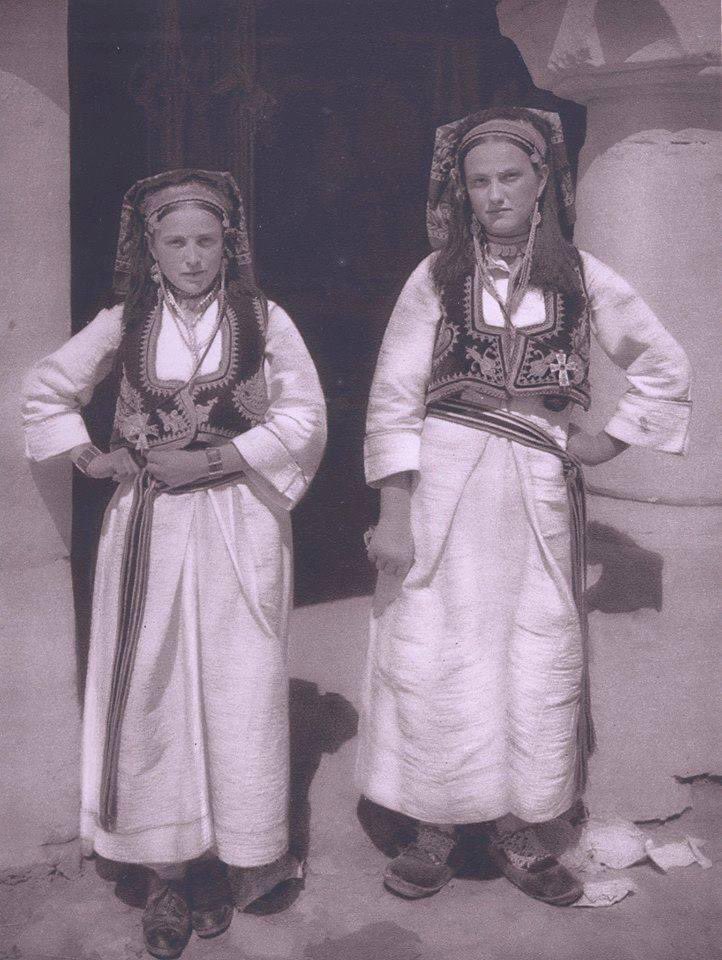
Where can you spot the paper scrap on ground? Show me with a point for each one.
(613, 843)
(605, 893)
(679, 853)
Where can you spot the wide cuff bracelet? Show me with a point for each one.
(215, 462)
(86, 458)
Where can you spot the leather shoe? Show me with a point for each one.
(209, 896)
(426, 865)
(523, 860)
(166, 919)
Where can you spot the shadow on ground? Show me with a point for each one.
(320, 723)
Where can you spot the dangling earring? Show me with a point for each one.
(476, 228)
(155, 274)
(521, 281)
(535, 221)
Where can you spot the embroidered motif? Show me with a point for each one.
(131, 423)
(446, 337)
(261, 312)
(485, 364)
(250, 397)
(174, 422)
(203, 410)
(562, 365)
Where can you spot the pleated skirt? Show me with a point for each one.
(203, 761)
(473, 681)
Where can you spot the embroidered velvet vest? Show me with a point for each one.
(549, 359)
(212, 408)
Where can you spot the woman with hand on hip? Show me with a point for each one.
(219, 429)
(476, 702)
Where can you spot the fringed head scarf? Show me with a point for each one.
(542, 140)
(551, 362)
(549, 260)
(147, 201)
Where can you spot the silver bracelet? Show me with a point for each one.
(215, 462)
(87, 457)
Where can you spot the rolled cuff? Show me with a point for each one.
(658, 424)
(272, 467)
(391, 452)
(55, 435)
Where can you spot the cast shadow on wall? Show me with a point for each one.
(320, 723)
(631, 577)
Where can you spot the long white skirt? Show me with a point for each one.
(203, 759)
(473, 680)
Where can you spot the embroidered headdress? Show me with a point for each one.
(520, 132)
(208, 407)
(454, 140)
(549, 359)
(149, 198)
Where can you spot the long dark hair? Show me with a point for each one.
(554, 264)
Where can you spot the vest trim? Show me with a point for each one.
(211, 409)
(547, 359)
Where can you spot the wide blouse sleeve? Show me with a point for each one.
(284, 452)
(56, 388)
(397, 407)
(654, 411)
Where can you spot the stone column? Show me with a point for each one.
(39, 710)
(648, 73)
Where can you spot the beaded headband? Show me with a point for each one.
(462, 134)
(148, 198)
(517, 131)
(155, 202)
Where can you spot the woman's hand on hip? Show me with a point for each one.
(176, 468)
(593, 448)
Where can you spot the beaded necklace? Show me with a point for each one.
(185, 325)
(521, 245)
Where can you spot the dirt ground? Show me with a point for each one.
(341, 912)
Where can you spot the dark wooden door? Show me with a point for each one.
(325, 112)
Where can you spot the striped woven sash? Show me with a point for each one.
(133, 592)
(507, 425)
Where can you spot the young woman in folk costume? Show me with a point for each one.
(219, 428)
(476, 703)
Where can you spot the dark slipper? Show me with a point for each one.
(166, 920)
(209, 896)
(531, 868)
(426, 865)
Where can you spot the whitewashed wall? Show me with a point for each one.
(39, 712)
(648, 72)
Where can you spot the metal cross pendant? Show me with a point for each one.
(563, 366)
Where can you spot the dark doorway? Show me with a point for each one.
(325, 110)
